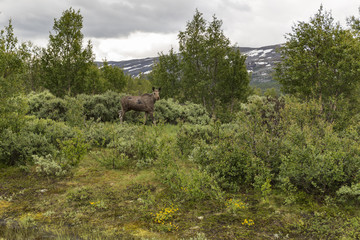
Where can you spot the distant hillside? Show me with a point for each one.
(260, 62)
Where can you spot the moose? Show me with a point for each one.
(144, 103)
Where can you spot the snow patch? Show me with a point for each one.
(266, 52)
(254, 53)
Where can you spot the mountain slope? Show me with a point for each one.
(260, 62)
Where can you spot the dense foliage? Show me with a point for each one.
(320, 59)
(65, 63)
(207, 70)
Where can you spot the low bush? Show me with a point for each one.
(111, 159)
(170, 111)
(193, 185)
(52, 130)
(37, 137)
(297, 146)
(18, 148)
(351, 194)
(74, 149)
(316, 157)
(195, 114)
(230, 164)
(189, 135)
(46, 105)
(98, 133)
(47, 166)
(103, 107)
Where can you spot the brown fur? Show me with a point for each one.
(144, 103)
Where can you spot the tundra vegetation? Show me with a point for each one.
(216, 166)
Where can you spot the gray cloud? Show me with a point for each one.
(252, 23)
(120, 18)
(111, 18)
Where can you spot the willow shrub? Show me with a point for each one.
(103, 107)
(278, 142)
(316, 158)
(19, 147)
(37, 137)
(46, 105)
(319, 160)
(171, 111)
(193, 184)
(226, 161)
(189, 135)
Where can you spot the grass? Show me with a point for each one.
(97, 202)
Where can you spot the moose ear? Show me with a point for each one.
(153, 88)
(159, 88)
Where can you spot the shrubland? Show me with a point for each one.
(245, 166)
(279, 169)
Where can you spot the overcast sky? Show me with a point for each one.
(130, 29)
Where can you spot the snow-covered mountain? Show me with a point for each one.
(260, 62)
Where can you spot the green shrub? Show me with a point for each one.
(46, 105)
(47, 166)
(103, 107)
(112, 159)
(229, 163)
(146, 141)
(37, 137)
(139, 144)
(124, 140)
(193, 185)
(102, 134)
(75, 112)
(12, 111)
(346, 193)
(170, 111)
(74, 149)
(319, 160)
(52, 130)
(260, 128)
(37, 100)
(18, 148)
(99, 133)
(195, 114)
(119, 140)
(222, 152)
(297, 146)
(197, 185)
(143, 144)
(189, 135)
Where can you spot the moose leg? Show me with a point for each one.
(152, 118)
(145, 118)
(121, 115)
